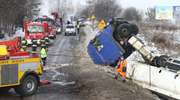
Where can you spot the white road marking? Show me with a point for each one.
(56, 74)
(56, 66)
(64, 83)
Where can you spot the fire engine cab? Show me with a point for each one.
(51, 26)
(36, 31)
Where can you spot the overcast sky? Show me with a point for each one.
(143, 4)
(139, 4)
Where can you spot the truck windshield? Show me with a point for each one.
(35, 29)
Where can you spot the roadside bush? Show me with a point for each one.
(162, 40)
(102, 9)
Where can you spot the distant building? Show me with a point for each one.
(176, 14)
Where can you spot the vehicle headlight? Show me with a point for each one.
(59, 29)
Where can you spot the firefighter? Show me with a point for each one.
(78, 27)
(2, 34)
(46, 39)
(44, 43)
(43, 54)
(34, 45)
(24, 44)
(121, 69)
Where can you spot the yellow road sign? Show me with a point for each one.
(93, 17)
(101, 25)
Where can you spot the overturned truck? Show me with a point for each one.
(118, 39)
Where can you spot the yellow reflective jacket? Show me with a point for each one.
(43, 53)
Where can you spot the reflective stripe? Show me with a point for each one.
(34, 45)
(78, 26)
(24, 46)
(24, 42)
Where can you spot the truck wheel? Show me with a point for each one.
(160, 61)
(28, 86)
(122, 31)
(134, 29)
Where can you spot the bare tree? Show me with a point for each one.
(150, 14)
(132, 14)
(102, 9)
(13, 11)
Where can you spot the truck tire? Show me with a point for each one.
(122, 31)
(28, 86)
(160, 61)
(134, 29)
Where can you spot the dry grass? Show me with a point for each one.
(161, 34)
(163, 41)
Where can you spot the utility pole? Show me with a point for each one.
(58, 5)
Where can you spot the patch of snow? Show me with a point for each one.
(176, 36)
(90, 34)
(136, 56)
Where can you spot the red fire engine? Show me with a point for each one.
(36, 31)
(51, 26)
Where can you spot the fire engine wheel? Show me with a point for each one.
(28, 86)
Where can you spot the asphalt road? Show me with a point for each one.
(75, 77)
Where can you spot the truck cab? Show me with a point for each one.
(112, 43)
